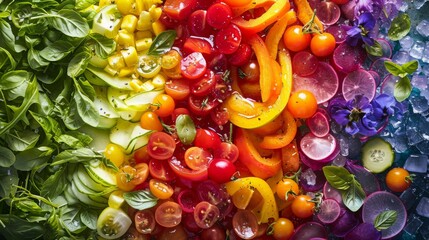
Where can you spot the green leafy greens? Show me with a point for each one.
(403, 87)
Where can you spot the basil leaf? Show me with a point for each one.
(375, 49)
(162, 43)
(55, 184)
(7, 37)
(57, 50)
(69, 22)
(402, 89)
(13, 79)
(354, 196)
(27, 160)
(338, 177)
(8, 178)
(21, 140)
(7, 158)
(393, 68)
(103, 46)
(76, 156)
(13, 227)
(410, 67)
(385, 219)
(89, 218)
(78, 64)
(185, 129)
(70, 218)
(7, 62)
(399, 27)
(140, 200)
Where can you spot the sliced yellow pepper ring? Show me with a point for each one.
(282, 139)
(268, 209)
(262, 112)
(278, 9)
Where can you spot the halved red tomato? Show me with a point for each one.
(180, 170)
(178, 89)
(197, 44)
(179, 9)
(161, 145)
(193, 66)
(205, 85)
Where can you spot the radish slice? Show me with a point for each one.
(328, 12)
(378, 66)
(364, 231)
(347, 58)
(376, 77)
(304, 63)
(344, 224)
(323, 83)
(338, 32)
(331, 193)
(318, 148)
(359, 82)
(329, 211)
(386, 49)
(367, 180)
(379, 202)
(318, 124)
(309, 230)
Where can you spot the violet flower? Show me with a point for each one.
(361, 31)
(384, 106)
(354, 114)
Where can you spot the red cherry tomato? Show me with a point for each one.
(202, 106)
(197, 24)
(179, 9)
(193, 66)
(242, 55)
(228, 151)
(249, 71)
(220, 115)
(206, 214)
(161, 170)
(178, 89)
(204, 86)
(219, 15)
(207, 139)
(161, 145)
(221, 170)
(144, 221)
(197, 44)
(228, 39)
(339, 2)
(213, 233)
(179, 111)
(180, 170)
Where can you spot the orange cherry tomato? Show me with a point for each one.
(398, 179)
(322, 44)
(295, 40)
(302, 104)
(283, 229)
(302, 206)
(128, 177)
(287, 189)
(163, 105)
(160, 189)
(150, 121)
(141, 155)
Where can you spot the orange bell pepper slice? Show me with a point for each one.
(263, 164)
(249, 114)
(286, 135)
(278, 9)
(276, 32)
(237, 11)
(305, 14)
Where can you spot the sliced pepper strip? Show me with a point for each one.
(276, 32)
(261, 164)
(282, 139)
(265, 69)
(278, 9)
(305, 14)
(269, 207)
(248, 114)
(237, 11)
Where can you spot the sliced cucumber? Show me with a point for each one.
(142, 101)
(87, 180)
(130, 136)
(377, 155)
(100, 173)
(114, 81)
(100, 137)
(84, 198)
(83, 190)
(94, 80)
(106, 123)
(70, 197)
(116, 98)
(105, 109)
(97, 195)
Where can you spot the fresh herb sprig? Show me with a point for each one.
(403, 87)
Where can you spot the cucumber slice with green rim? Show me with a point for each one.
(129, 135)
(377, 155)
(100, 173)
(105, 109)
(95, 76)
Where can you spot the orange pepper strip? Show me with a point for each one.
(282, 139)
(279, 8)
(269, 128)
(290, 158)
(237, 11)
(258, 165)
(276, 32)
(305, 13)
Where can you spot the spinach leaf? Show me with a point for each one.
(12, 227)
(338, 177)
(78, 63)
(70, 219)
(55, 184)
(14, 79)
(8, 179)
(21, 140)
(27, 160)
(35, 61)
(7, 37)
(31, 96)
(76, 156)
(89, 218)
(162, 43)
(69, 22)
(86, 108)
(103, 46)
(185, 129)
(57, 50)
(7, 157)
(140, 199)
(385, 219)
(7, 62)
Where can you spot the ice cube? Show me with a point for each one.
(425, 57)
(425, 67)
(414, 135)
(423, 147)
(417, 49)
(409, 197)
(420, 81)
(401, 57)
(339, 161)
(419, 104)
(309, 176)
(406, 43)
(402, 6)
(423, 207)
(344, 146)
(419, 3)
(425, 93)
(424, 232)
(423, 28)
(413, 225)
(417, 163)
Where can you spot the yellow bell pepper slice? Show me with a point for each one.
(269, 207)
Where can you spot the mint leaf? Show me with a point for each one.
(410, 67)
(338, 177)
(402, 89)
(393, 68)
(140, 200)
(374, 50)
(385, 219)
(400, 27)
(162, 43)
(354, 196)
